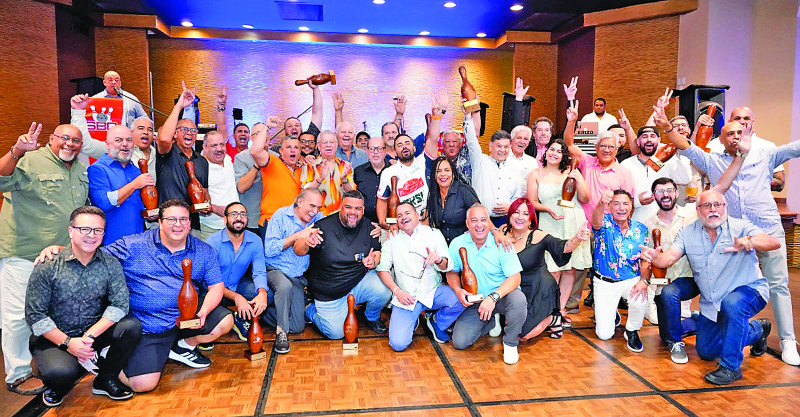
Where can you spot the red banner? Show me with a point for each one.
(101, 114)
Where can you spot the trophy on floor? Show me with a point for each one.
(661, 156)
(468, 280)
(569, 188)
(196, 193)
(187, 299)
(319, 79)
(704, 132)
(391, 205)
(659, 274)
(350, 325)
(149, 194)
(255, 341)
(468, 94)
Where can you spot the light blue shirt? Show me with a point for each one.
(357, 156)
(233, 264)
(491, 264)
(716, 272)
(130, 109)
(283, 224)
(749, 196)
(615, 254)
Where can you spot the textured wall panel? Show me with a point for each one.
(76, 55)
(633, 64)
(28, 69)
(575, 58)
(126, 52)
(260, 79)
(536, 65)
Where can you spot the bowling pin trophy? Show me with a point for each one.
(662, 156)
(391, 205)
(255, 341)
(149, 194)
(468, 280)
(187, 299)
(468, 94)
(659, 274)
(704, 132)
(569, 188)
(350, 325)
(319, 79)
(196, 193)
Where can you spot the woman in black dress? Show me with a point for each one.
(538, 285)
(448, 199)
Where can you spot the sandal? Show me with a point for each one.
(15, 386)
(556, 329)
(566, 322)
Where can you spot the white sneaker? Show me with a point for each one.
(510, 354)
(497, 329)
(651, 314)
(789, 352)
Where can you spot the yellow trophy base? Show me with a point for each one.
(565, 203)
(472, 106)
(185, 324)
(252, 357)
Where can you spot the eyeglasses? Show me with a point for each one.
(185, 129)
(606, 147)
(238, 214)
(172, 220)
(97, 231)
(376, 149)
(307, 141)
(665, 191)
(68, 138)
(715, 204)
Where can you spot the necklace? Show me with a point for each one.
(517, 238)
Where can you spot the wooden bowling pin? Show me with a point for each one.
(196, 193)
(350, 325)
(255, 341)
(148, 193)
(391, 205)
(187, 299)
(468, 279)
(704, 132)
(319, 79)
(659, 274)
(468, 94)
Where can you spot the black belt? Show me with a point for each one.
(605, 278)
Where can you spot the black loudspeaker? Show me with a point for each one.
(88, 85)
(484, 106)
(508, 101)
(695, 100)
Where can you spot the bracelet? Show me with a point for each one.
(670, 130)
(220, 108)
(89, 335)
(436, 117)
(14, 157)
(395, 289)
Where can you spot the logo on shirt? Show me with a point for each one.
(410, 187)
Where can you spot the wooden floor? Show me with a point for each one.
(578, 375)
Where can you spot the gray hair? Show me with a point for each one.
(142, 118)
(305, 193)
(517, 128)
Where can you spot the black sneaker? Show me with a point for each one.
(112, 388)
(623, 304)
(189, 357)
(205, 347)
(634, 343)
(617, 320)
(52, 398)
(760, 346)
(723, 376)
(281, 343)
(377, 326)
(589, 300)
(240, 327)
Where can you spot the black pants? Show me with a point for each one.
(59, 370)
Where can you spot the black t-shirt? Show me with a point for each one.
(367, 181)
(335, 266)
(173, 179)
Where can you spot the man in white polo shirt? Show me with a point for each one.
(221, 183)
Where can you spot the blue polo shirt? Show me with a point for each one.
(154, 275)
(106, 177)
(491, 264)
(233, 264)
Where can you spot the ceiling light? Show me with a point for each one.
(379, 1)
(187, 23)
(481, 35)
(424, 33)
(362, 30)
(516, 7)
(303, 28)
(449, 4)
(247, 26)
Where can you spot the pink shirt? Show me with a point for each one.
(599, 179)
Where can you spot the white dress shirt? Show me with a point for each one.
(603, 123)
(494, 182)
(222, 189)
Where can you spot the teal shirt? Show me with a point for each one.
(491, 264)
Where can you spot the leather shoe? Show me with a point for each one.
(589, 300)
(377, 326)
(760, 347)
(723, 376)
(111, 387)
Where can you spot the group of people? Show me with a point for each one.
(295, 224)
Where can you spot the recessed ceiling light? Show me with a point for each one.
(481, 35)
(516, 7)
(424, 33)
(187, 23)
(303, 28)
(362, 30)
(247, 26)
(379, 1)
(449, 4)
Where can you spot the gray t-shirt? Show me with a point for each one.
(252, 197)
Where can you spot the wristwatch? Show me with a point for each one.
(742, 154)
(65, 344)
(494, 296)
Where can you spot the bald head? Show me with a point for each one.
(66, 142)
(729, 135)
(743, 115)
(119, 143)
(112, 81)
(345, 133)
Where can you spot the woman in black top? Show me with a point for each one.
(538, 285)
(448, 200)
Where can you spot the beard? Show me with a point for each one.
(669, 205)
(650, 152)
(65, 158)
(236, 227)
(712, 221)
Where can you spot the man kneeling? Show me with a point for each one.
(418, 254)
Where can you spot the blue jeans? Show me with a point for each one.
(668, 306)
(247, 289)
(329, 316)
(401, 326)
(733, 329)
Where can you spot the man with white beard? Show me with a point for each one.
(721, 253)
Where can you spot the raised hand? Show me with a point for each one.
(606, 197)
(661, 118)
(400, 104)
(623, 121)
(740, 243)
(572, 112)
(368, 260)
(705, 120)
(520, 90)
(583, 233)
(432, 257)
(348, 167)
(645, 198)
(572, 90)
(222, 96)
(187, 96)
(745, 142)
(273, 122)
(29, 141)
(663, 101)
(444, 100)
(338, 101)
(79, 101)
